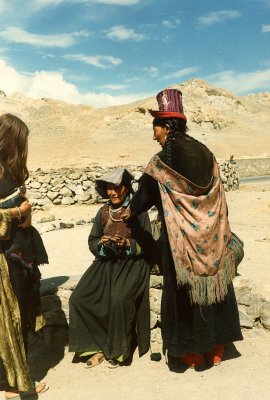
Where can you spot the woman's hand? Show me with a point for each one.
(25, 208)
(23, 211)
(105, 239)
(120, 241)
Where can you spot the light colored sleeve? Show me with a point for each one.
(5, 224)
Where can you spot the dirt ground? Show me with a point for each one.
(244, 374)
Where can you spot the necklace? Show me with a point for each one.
(111, 211)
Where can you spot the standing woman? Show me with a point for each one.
(199, 311)
(109, 308)
(21, 251)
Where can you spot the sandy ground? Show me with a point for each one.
(244, 374)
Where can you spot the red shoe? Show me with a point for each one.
(193, 360)
(215, 356)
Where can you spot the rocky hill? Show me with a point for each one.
(68, 135)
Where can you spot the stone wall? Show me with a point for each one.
(253, 167)
(69, 186)
(254, 310)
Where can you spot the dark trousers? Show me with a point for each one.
(18, 281)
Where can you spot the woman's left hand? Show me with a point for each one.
(25, 208)
(120, 241)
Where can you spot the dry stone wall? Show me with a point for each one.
(70, 186)
(253, 167)
(254, 310)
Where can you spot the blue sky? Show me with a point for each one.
(110, 52)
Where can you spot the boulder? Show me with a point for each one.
(243, 290)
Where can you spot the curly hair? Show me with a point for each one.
(14, 147)
(177, 130)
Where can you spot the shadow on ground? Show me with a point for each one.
(47, 346)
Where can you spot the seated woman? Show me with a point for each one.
(110, 304)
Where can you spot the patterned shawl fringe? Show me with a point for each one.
(207, 290)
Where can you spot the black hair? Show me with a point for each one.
(177, 130)
(127, 181)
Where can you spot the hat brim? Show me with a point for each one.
(121, 176)
(167, 114)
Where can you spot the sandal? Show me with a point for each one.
(16, 397)
(112, 364)
(36, 393)
(95, 360)
(26, 395)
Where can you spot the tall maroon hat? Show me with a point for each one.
(169, 104)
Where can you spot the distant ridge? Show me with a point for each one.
(63, 134)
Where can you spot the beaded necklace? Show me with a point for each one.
(115, 210)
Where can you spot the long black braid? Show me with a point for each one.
(177, 130)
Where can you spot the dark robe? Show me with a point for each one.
(109, 307)
(186, 327)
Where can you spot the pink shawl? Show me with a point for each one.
(198, 231)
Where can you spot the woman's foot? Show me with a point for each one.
(12, 394)
(215, 356)
(95, 360)
(193, 360)
(113, 364)
(40, 387)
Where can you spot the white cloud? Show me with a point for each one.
(4, 50)
(218, 17)
(46, 2)
(46, 55)
(265, 28)
(108, 2)
(3, 5)
(98, 60)
(181, 73)
(82, 33)
(53, 85)
(132, 79)
(113, 86)
(18, 35)
(106, 100)
(11, 81)
(120, 32)
(117, 2)
(242, 83)
(153, 71)
(171, 23)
